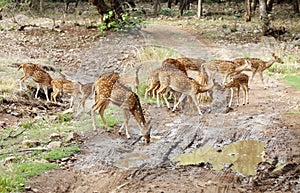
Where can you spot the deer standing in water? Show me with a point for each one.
(258, 65)
(239, 81)
(39, 76)
(109, 89)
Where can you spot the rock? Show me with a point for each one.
(30, 143)
(54, 144)
(73, 136)
(55, 136)
(9, 159)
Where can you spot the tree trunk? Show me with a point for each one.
(253, 6)
(248, 10)
(270, 5)
(200, 8)
(263, 16)
(296, 6)
(102, 8)
(169, 4)
(155, 8)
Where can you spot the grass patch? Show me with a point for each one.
(156, 53)
(17, 173)
(293, 80)
(61, 152)
(294, 112)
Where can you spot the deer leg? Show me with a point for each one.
(196, 104)
(96, 106)
(182, 96)
(22, 79)
(252, 77)
(45, 88)
(238, 96)
(165, 98)
(246, 96)
(262, 79)
(161, 89)
(37, 90)
(125, 124)
(231, 96)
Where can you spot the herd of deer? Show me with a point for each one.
(170, 79)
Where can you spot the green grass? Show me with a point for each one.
(61, 152)
(294, 112)
(293, 80)
(15, 174)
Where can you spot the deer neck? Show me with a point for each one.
(241, 67)
(202, 89)
(269, 63)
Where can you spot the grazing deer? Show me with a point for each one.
(65, 86)
(42, 78)
(109, 89)
(258, 65)
(182, 84)
(238, 81)
(228, 68)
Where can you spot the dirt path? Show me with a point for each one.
(110, 163)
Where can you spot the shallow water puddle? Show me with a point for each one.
(131, 160)
(244, 155)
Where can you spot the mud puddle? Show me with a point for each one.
(242, 156)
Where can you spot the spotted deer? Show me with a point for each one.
(108, 90)
(167, 64)
(182, 84)
(228, 68)
(258, 65)
(39, 76)
(65, 86)
(239, 81)
(191, 63)
(86, 91)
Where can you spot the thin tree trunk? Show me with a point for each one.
(248, 10)
(253, 6)
(169, 4)
(200, 8)
(155, 8)
(270, 5)
(263, 16)
(296, 6)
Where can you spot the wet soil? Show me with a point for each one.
(111, 163)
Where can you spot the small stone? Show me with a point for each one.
(54, 144)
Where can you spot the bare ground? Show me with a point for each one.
(111, 163)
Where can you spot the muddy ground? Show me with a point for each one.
(111, 163)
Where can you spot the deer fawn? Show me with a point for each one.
(86, 91)
(109, 89)
(258, 65)
(228, 68)
(42, 78)
(238, 81)
(182, 84)
(65, 86)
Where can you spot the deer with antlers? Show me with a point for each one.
(109, 89)
(239, 81)
(41, 77)
(258, 65)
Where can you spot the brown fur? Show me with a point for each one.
(191, 63)
(109, 89)
(65, 86)
(182, 84)
(239, 81)
(42, 78)
(258, 65)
